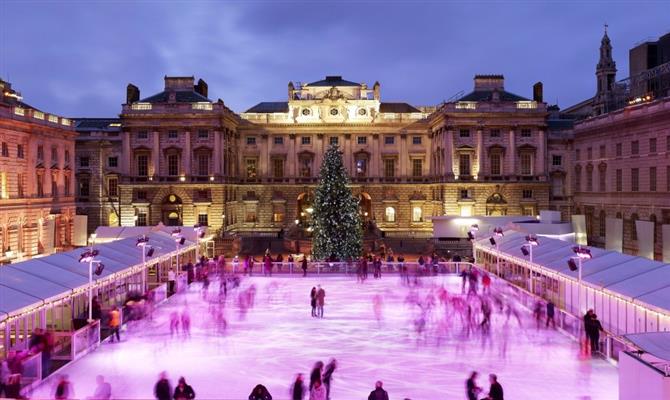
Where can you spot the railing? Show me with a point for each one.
(73, 345)
(325, 267)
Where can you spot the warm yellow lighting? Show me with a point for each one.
(182, 178)
(38, 114)
(466, 211)
(19, 111)
(297, 222)
(526, 104)
(211, 178)
(141, 106)
(309, 210)
(201, 106)
(53, 118)
(466, 105)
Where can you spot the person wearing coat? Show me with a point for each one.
(163, 388)
(318, 391)
(298, 389)
(379, 393)
(304, 266)
(183, 391)
(260, 392)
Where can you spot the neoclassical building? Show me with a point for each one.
(179, 158)
(37, 204)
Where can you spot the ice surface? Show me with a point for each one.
(279, 338)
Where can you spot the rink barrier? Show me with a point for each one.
(325, 267)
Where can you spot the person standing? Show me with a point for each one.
(103, 390)
(496, 390)
(115, 323)
(328, 375)
(64, 389)
(550, 314)
(320, 301)
(315, 375)
(172, 277)
(318, 391)
(471, 388)
(298, 388)
(312, 300)
(304, 266)
(267, 267)
(183, 391)
(260, 392)
(379, 393)
(593, 331)
(163, 388)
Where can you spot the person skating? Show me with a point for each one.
(298, 388)
(304, 266)
(260, 392)
(550, 314)
(114, 324)
(103, 390)
(496, 390)
(593, 331)
(318, 391)
(64, 389)
(471, 388)
(328, 375)
(315, 375)
(312, 300)
(183, 391)
(379, 393)
(320, 301)
(172, 278)
(163, 388)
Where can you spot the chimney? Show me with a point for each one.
(375, 89)
(132, 93)
(201, 88)
(537, 92)
(179, 83)
(291, 89)
(489, 82)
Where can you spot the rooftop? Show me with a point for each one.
(333, 80)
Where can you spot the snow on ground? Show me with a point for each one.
(278, 338)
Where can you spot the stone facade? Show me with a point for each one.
(37, 204)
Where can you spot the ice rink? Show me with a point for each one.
(278, 338)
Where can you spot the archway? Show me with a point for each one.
(305, 210)
(496, 205)
(171, 210)
(365, 207)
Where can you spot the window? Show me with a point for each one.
(141, 195)
(20, 183)
(142, 134)
(203, 134)
(203, 220)
(278, 140)
(142, 165)
(40, 186)
(113, 162)
(417, 214)
(557, 184)
(5, 149)
(19, 151)
(634, 179)
(333, 140)
(495, 133)
(173, 164)
(84, 161)
(54, 185)
(389, 167)
(83, 187)
(464, 133)
(113, 187)
(495, 163)
(251, 140)
(619, 180)
(465, 194)
(602, 221)
(526, 163)
(525, 133)
(602, 179)
(67, 156)
(40, 153)
(527, 194)
(361, 166)
(251, 167)
(464, 164)
(619, 149)
(556, 161)
(417, 167)
(389, 214)
(54, 155)
(278, 167)
(389, 139)
(173, 134)
(578, 154)
(203, 164)
(3, 185)
(602, 151)
(652, 179)
(416, 139)
(250, 216)
(362, 140)
(306, 140)
(141, 218)
(635, 147)
(589, 178)
(633, 226)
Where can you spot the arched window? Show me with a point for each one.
(390, 214)
(417, 214)
(633, 228)
(601, 221)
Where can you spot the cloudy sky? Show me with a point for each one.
(75, 58)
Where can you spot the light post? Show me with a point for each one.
(527, 250)
(199, 234)
(89, 257)
(178, 240)
(581, 253)
(472, 233)
(142, 243)
(497, 232)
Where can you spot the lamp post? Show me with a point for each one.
(89, 257)
(199, 233)
(581, 253)
(178, 240)
(497, 232)
(472, 233)
(527, 250)
(142, 244)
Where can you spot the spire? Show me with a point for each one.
(606, 61)
(605, 75)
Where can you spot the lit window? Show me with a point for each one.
(527, 194)
(53, 118)
(390, 214)
(19, 111)
(141, 106)
(526, 163)
(389, 167)
(3, 185)
(278, 217)
(278, 167)
(526, 104)
(417, 167)
(38, 114)
(496, 161)
(251, 167)
(173, 164)
(417, 214)
(65, 121)
(202, 106)
(466, 105)
(203, 220)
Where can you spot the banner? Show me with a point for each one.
(80, 230)
(579, 226)
(614, 234)
(645, 239)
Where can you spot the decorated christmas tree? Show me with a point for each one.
(337, 224)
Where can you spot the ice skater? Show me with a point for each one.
(315, 375)
(328, 375)
(114, 324)
(298, 389)
(320, 301)
(550, 314)
(163, 387)
(186, 323)
(312, 297)
(174, 324)
(377, 308)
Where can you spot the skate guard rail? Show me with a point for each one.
(73, 345)
(326, 267)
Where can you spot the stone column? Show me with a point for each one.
(186, 156)
(155, 154)
(126, 155)
(216, 162)
(404, 157)
(448, 137)
(480, 153)
(318, 152)
(347, 153)
(292, 156)
(511, 153)
(541, 155)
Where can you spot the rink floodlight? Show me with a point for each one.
(176, 232)
(150, 252)
(582, 252)
(142, 241)
(524, 251)
(99, 269)
(181, 240)
(532, 240)
(471, 236)
(498, 232)
(572, 265)
(493, 241)
(474, 227)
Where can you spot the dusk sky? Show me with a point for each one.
(75, 58)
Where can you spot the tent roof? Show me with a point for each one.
(13, 301)
(655, 343)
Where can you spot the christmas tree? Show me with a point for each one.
(337, 224)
